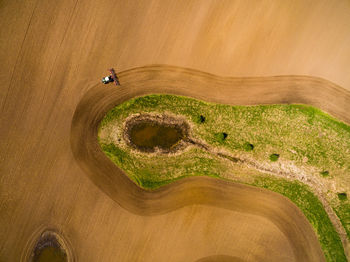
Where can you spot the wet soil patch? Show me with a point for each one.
(161, 133)
(48, 249)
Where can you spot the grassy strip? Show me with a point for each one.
(312, 208)
(298, 133)
(343, 212)
(153, 172)
(295, 132)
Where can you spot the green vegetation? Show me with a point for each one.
(324, 173)
(220, 137)
(153, 172)
(343, 211)
(306, 137)
(342, 196)
(285, 129)
(248, 147)
(200, 119)
(274, 157)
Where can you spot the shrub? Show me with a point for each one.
(199, 119)
(274, 157)
(342, 196)
(324, 173)
(221, 136)
(248, 147)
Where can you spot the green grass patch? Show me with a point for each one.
(343, 212)
(155, 171)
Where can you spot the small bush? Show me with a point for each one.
(274, 157)
(248, 147)
(342, 196)
(221, 136)
(324, 173)
(199, 119)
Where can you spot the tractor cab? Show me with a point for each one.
(111, 78)
(107, 79)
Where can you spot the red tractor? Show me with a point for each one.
(111, 78)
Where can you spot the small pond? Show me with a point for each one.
(148, 134)
(48, 249)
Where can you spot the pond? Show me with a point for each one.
(48, 249)
(149, 134)
(50, 254)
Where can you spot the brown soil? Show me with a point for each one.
(53, 52)
(220, 258)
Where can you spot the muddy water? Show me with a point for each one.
(48, 249)
(150, 135)
(50, 254)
